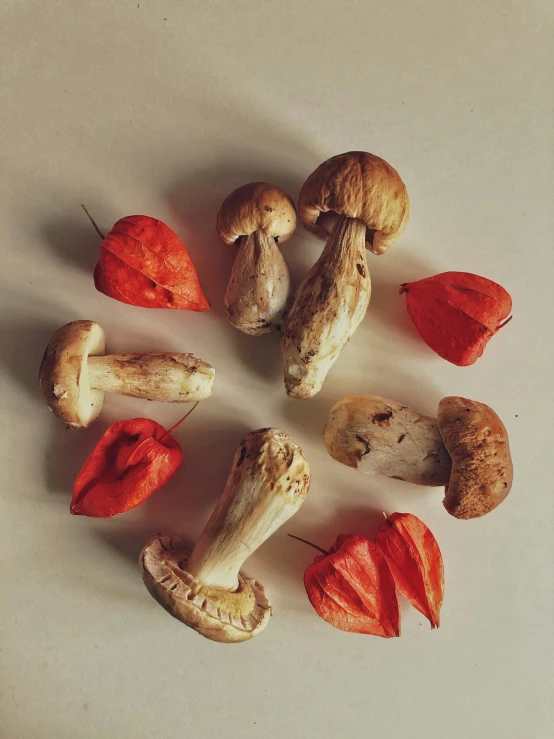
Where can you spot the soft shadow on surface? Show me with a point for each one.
(183, 505)
(126, 540)
(310, 416)
(387, 309)
(261, 354)
(74, 239)
(416, 391)
(23, 344)
(67, 452)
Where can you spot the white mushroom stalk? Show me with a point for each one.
(329, 306)
(170, 377)
(75, 373)
(465, 449)
(254, 218)
(378, 436)
(267, 484)
(363, 200)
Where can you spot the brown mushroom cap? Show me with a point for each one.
(477, 441)
(217, 614)
(258, 206)
(357, 185)
(64, 375)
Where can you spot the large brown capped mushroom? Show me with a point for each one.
(75, 374)
(362, 201)
(204, 589)
(466, 450)
(254, 218)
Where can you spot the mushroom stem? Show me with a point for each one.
(268, 482)
(174, 378)
(259, 287)
(379, 436)
(327, 309)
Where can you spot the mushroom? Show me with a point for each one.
(363, 203)
(204, 589)
(465, 450)
(75, 373)
(255, 217)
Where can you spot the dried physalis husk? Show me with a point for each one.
(457, 313)
(351, 588)
(415, 561)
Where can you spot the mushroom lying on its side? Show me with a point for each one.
(75, 374)
(204, 589)
(465, 450)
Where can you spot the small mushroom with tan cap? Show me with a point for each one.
(361, 201)
(204, 589)
(466, 449)
(255, 218)
(75, 373)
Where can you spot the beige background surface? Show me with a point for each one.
(162, 108)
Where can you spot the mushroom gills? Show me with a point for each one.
(218, 615)
(204, 589)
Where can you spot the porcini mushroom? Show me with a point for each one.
(204, 589)
(466, 449)
(363, 203)
(75, 373)
(255, 217)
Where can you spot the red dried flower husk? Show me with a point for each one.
(415, 561)
(351, 588)
(457, 313)
(144, 263)
(132, 460)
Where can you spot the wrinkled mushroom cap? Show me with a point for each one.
(477, 441)
(64, 376)
(357, 185)
(258, 206)
(217, 614)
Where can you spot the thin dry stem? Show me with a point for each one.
(176, 425)
(309, 543)
(91, 219)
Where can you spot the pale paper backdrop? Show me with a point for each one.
(162, 108)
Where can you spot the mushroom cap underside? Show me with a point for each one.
(258, 206)
(64, 376)
(482, 470)
(218, 614)
(358, 185)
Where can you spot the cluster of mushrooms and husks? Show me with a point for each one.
(203, 588)
(357, 201)
(255, 218)
(465, 449)
(76, 372)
